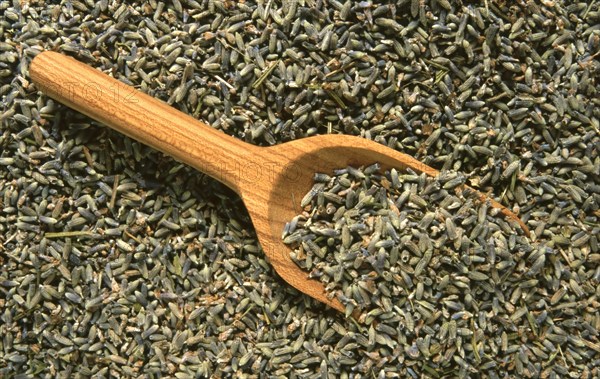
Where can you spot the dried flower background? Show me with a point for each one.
(117, 261)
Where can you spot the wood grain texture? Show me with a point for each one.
(270, 180)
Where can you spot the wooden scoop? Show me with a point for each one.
(270, 180)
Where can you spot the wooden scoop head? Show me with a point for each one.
(293, 167)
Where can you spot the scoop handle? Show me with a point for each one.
(140, 116)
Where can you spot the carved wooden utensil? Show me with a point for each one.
(270, 180)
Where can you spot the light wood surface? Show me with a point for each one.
(270, 180)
